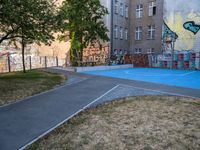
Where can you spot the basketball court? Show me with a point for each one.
(179, 78)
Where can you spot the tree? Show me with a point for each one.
(27, 21)
(82, 19)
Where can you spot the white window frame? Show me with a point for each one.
(151, 32)
(116, 9)
(121, 33)
(122, 9)
(138, 51)
(150, 51)
(116, 31)
(151, 7)
(139, 11)
(121, 52)
(126, 33)
(115, 51)
(126, 11)
(138, 33)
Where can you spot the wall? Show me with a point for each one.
(178, 12)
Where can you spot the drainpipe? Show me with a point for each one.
(111, 30)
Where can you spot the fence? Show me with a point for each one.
(13, 62)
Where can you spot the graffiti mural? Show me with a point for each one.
(183, 17)
(117, 56)
(96, 54)
(191, 26)
(168, 38)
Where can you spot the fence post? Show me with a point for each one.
(56, 61)
(45, 61)
(30, 62)
(9, 68)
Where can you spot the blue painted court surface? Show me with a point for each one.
(179, 78)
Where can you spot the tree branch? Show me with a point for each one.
(6, 37)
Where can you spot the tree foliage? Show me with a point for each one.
(27, 21)
(82, 19)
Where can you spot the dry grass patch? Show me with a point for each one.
(18, 85)
(137, 123)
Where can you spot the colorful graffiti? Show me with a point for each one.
(191, 26)
(117, 56)
(183, 18)
(96, 54)
(168, 38)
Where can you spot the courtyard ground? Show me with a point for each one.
(135, 123)
(25, 122)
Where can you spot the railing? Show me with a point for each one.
(13, 62)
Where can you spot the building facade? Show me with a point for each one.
(146, 19)
(135, 26)
(120, 27)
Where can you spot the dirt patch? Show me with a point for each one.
(139, 123)
(17, 85)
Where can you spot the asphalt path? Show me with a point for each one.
(23, 122)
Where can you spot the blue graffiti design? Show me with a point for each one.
(191, 26)
(167, 32)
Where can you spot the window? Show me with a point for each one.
(139, 10)
(150, 51)
(152, 8)
(126, 34)
(138, 33)
(116, 7)
(126, 11)
(125, 52)
(121, 9)
(115, 52)
(151, 32)
(121, 33)
(116, 32)
(120, 52)
(138, 51)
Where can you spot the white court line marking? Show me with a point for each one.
(185, 74)
(170, 93)
(51, 129)
(158, 75)
(151, 75)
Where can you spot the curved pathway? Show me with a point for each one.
(24, 122)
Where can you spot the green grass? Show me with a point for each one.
(18, 85)
(136, 123)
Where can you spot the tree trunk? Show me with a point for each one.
(81, 50)
(23, 51)
(81, 55)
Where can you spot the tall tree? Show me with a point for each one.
(83, 20)
(27, 21)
